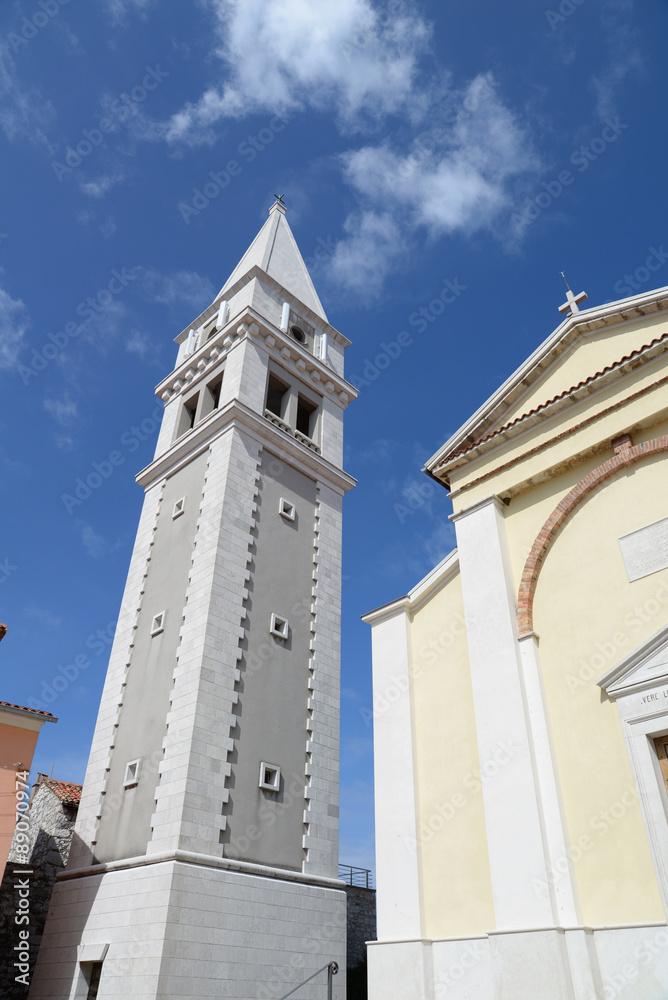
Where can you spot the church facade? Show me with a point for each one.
(521, 690)
(205, 854)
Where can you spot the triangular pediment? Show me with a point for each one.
(646, 667)
(586, 348)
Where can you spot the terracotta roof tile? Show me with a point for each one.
(34, 711)
(67, 792)
(562, 395)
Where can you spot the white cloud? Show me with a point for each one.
(95, 544)
(108, 227)
(43, 616)
(62, 410)
(292, 54)
(364, 66)
(363, 260)
(455, 177)
(119, 9)
(187, 287)
(13, 327)
(102, 185)
(621, 37)
(141, 344)
(24, 113)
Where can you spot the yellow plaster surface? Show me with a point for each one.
(589, 617)
(457, 890)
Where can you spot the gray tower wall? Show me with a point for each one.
(264, 826)
(125, 827)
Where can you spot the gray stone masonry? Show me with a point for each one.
(46, 847)
(361, 909)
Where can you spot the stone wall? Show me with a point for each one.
(39, 886)
(50, 829)
(361, 928)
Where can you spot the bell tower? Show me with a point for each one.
(205, 859)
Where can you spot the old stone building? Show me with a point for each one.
(42, 850)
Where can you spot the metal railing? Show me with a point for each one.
(361, 877)
(332, 969)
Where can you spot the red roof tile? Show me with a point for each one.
(67, 792)
(562, 395)
(22, 708)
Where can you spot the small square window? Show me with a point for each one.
(279, 626)
(158, 624)
(287, 509)
(179, 507)
(270, 777)
(131, 773)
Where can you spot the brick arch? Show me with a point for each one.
(626, 455)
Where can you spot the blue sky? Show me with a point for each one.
(444, 160)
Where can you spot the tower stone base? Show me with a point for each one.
(581, 963)
(187, 927)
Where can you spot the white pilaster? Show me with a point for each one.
(397, 864)
(562, 884)
(515, 837)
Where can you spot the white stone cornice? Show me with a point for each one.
(378, 615)
(646, 667)
(208, 861)
(280, 442)
(256, 272)
(415, 598)
(280, 346)
(496, 501)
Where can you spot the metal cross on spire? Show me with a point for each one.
(279, 198)
(572, 303)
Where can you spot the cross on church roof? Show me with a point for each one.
(572, 303)
(279, 198)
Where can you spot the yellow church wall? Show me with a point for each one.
(586, 356)
(457, 892)
(589, 617)
(594, 437)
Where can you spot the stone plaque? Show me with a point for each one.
(645, 551)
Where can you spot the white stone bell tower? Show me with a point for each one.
(206, 848)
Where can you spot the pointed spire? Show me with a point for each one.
(275, 250)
